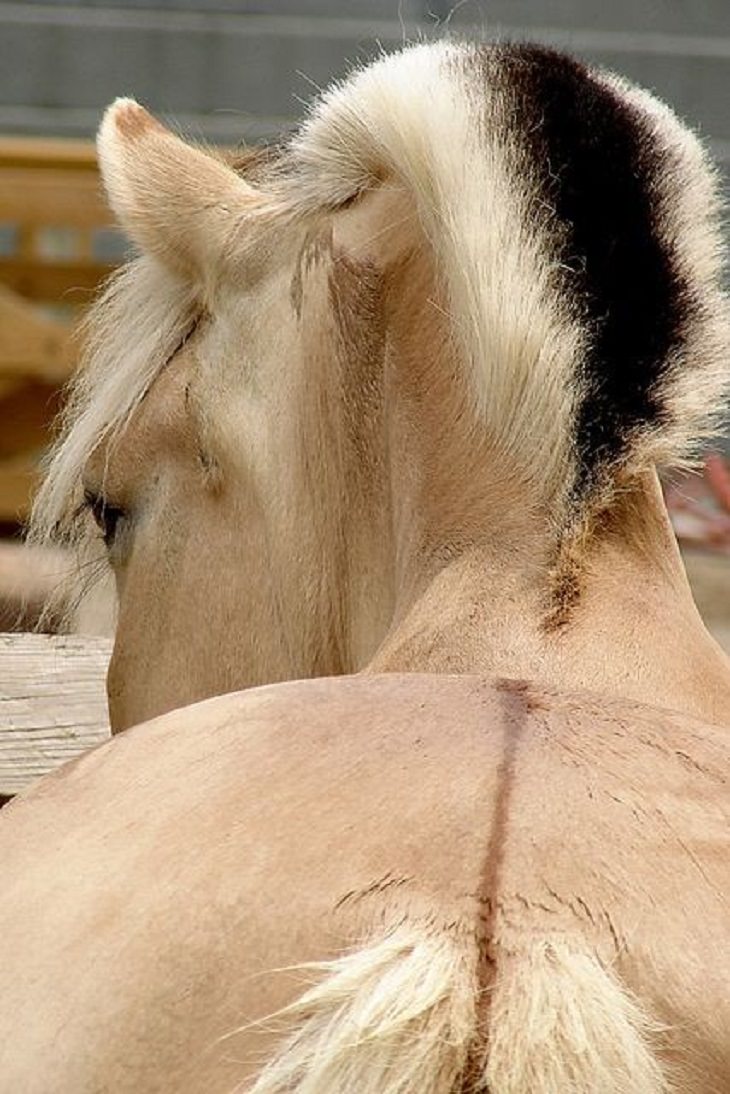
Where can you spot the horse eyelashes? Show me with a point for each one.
(106, 516)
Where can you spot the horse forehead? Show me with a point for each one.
(160, 421)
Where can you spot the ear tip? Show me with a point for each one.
(127, 120)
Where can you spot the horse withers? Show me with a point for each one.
(385, 408)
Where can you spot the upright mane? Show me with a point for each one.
(576, 224)
(575, 227)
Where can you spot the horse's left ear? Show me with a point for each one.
(173, 200)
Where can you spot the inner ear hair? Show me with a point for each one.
(177, 202)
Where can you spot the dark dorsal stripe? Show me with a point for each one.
(600, 171)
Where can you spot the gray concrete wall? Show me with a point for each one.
(232, 69)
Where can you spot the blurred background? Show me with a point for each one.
(233, 69)
(242, 70)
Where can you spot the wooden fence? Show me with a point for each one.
(57, 243)
(52, 703)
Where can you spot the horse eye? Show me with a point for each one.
(107, 516)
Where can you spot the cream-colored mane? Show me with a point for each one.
(435, 117)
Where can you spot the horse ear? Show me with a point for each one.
(173, 200)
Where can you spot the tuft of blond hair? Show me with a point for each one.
(402, 1015)
(560, 1023)
(395, 1017)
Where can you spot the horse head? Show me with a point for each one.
(394, 394)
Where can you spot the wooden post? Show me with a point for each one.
(51, 201)
(52, 703)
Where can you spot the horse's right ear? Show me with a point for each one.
(174, 201)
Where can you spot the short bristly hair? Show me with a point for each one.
(575, 230)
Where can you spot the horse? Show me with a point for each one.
(368, 435)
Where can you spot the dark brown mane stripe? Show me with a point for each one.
(603, 175)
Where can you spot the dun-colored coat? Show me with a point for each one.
(386, 408)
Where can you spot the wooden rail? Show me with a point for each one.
(52, 703)
(57, 243)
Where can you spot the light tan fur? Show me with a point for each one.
(341, 440)
(186, 869)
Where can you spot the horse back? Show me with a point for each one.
(163, 893)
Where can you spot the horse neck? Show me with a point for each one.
(634, 632)
(446, 556)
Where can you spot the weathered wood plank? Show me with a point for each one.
(52, 703)
(43, 194)
(73, 283)
(25, 410)
(73, 155)
(31, 344)
(18, 481)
